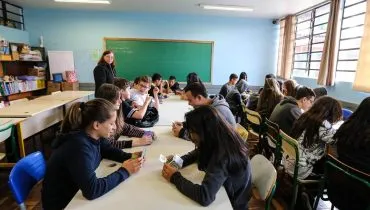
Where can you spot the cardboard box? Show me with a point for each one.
(36, 72)
(70, 86)
(53, 87)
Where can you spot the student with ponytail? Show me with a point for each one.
(78, 151)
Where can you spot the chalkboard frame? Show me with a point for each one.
(165, 40)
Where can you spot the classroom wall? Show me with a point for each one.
(14, 35)
(342, 90)
(241, 44)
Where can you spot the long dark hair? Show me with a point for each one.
(102, 61)
(242, 75)
(270, 96)
(325, 108)
(82, 114)
(290, 86)
(112, 94)
(356, 130)
(193, 77)
(217, 139)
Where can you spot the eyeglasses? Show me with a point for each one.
(143, 86)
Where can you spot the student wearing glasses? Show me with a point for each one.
(139, 92)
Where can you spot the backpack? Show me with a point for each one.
(150, 118)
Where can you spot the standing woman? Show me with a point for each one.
(105, 72)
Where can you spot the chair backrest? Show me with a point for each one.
(18, 101)
(253, 116)
(242, 132)
(273, 131)
(25, 174)
(263, 175)
(289, 145)
(6, 131)
(347, 188)
(346, 113)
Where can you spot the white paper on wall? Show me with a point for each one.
(61, 61)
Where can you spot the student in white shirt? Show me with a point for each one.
(139, 92)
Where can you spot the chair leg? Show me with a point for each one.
(22, 206)
(295, 194)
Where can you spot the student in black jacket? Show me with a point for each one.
(105, 72)
(354, 138)
(221, 153)
(78, 152)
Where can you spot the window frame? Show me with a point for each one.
(312, 19)
(350, 38)
(7, 21)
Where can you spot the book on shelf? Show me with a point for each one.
(18, 86)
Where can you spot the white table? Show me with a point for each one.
(172, 109)
(148, 189)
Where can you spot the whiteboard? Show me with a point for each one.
(61, 61)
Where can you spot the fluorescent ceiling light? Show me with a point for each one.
(85, 1)
(226, 7)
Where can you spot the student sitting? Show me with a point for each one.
(269, 97)
(139, 92)
(234, 99)
(320, 91)
(112, 94)
(128, 110)
(229, 86)
(242, 84)
(289, 109)
(171, 86)
(156, 83)
(196, 95)
(289, 88)
(221, 153)
(353, 138)
(190, 79)
(78, 152)
(313, 130)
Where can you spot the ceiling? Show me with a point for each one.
(262, 8)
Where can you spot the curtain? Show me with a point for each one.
(286, 46)
(362, 78)
(328, 59)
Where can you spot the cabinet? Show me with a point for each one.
(28, 81)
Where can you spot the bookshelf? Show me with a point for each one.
(24, 85)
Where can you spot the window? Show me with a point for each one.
(352, 29)
(11, 15)
(309, 41)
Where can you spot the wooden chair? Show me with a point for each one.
(290, 148)
(344, 186)
(273, 136)
(242, 132)
(255, 127)
(263, 179)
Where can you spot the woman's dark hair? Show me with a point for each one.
(102, 61)
(269, 97)
(243, 75)
(112, 94)
(356, 130)
(325, 108)
(320, 91)
(82, 114)
(121, 83)
(290, 87)
(218, 140)
(193, 77)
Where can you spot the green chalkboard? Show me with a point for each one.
(137, 57)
